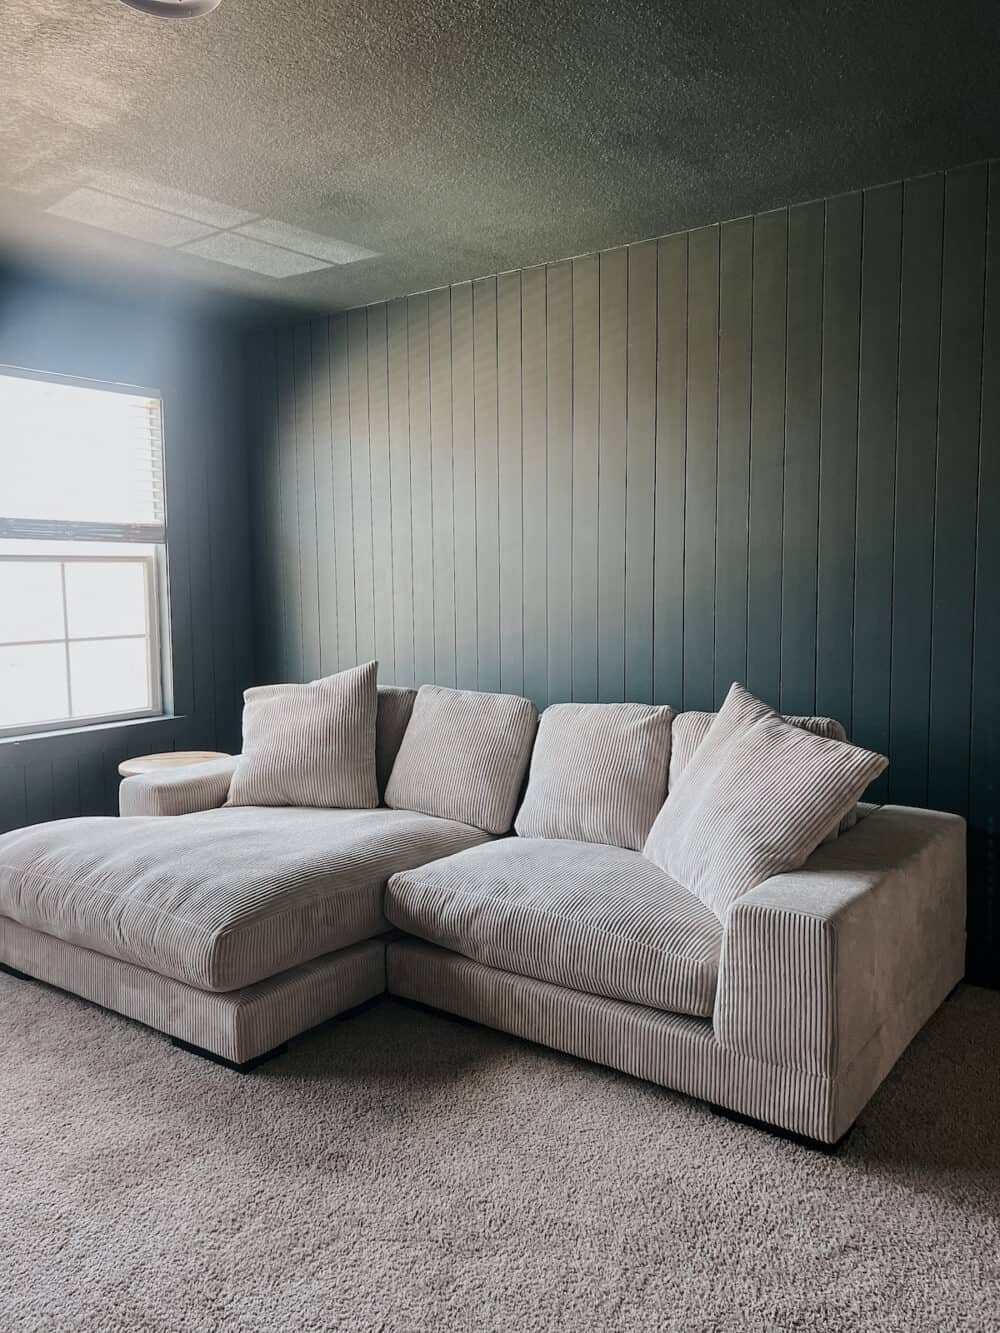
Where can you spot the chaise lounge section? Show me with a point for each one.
(230, 929)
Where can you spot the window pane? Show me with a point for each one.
(32, 684)
(30, 601)
(105, 599)
(109, 677)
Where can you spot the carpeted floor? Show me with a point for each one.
(400, 1171)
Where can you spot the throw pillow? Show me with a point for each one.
(756, 799)
(310, 745)
(690, 729)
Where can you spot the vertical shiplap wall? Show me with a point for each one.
(767, 450)
(197, 366)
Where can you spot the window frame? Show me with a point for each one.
(154, 562)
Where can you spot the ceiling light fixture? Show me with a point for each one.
(174, 9)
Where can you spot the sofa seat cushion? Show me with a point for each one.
(584, 915)
(219, 899)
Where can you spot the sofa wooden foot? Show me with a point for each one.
(244, 1067)
(803, 1140)
(13, 972)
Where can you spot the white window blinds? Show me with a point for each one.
(79, 462)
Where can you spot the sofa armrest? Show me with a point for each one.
(817, 962)
(178, 791)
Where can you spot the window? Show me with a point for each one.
(82, 553)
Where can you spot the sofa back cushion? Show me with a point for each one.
(756, 799)
(463, 756)
(598, 773)
(395, 704)
(310, 745)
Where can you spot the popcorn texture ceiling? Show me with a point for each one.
(421, 143)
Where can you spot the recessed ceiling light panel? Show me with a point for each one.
(174, 9)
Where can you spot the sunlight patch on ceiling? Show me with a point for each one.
(142, 223)
(228, 247)
(190, 224)
(169, 200)
(305, 242)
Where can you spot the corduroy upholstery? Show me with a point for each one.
(690, 729)
(310, 745)
(463, 756)
(395, 706)
(826, 975)
(816, 961)
(184, 791)
(221, 899)
(757, 798)
(598, 773)
(237, 1025)
(583, 915)
(177, 791)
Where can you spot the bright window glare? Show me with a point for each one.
(30, 601)
(105, 599)
(33, 684)
(72, 453)
(74, 639)
(108, 676)
(82, 553)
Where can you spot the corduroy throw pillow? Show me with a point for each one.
(757, 797)
(690, 729)
(310, 745)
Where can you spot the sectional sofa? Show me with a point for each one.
(234, 927)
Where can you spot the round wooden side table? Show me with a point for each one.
(153, 763)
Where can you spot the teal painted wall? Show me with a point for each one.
(767, 450)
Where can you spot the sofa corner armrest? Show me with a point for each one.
(178, 791)
(815, 962)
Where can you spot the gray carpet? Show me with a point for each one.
(400, 1171)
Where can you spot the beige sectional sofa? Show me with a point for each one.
(232, 929)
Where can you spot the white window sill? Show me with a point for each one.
(91, 729)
